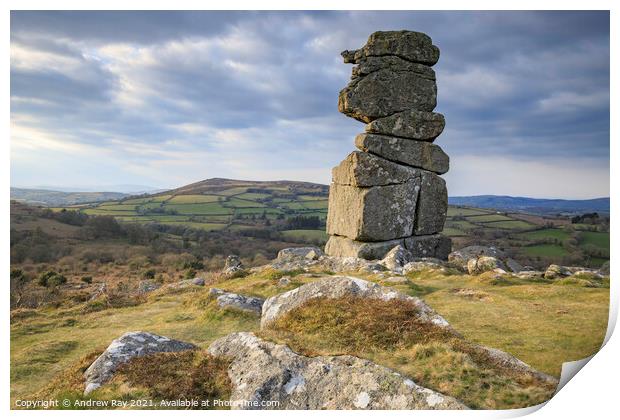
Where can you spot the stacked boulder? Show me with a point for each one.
(389, 193)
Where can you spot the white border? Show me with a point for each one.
(591, 393)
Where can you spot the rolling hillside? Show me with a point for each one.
(534, 205)
(42, 197)
(217, 204)
(297, 211)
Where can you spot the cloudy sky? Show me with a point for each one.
(168, 98)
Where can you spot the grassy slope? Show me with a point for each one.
(543, 324)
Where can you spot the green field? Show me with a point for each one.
(315, 204)
(559, 234)
(488, 218)
(510, 224)
(448, 231)
(548, 250)
(305, 233)
(598, 239)
(462, 211)
(193, 199)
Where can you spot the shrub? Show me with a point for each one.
(51, 279)
(87, 279)
(190, 273)
(149, 274)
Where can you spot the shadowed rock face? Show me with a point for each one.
(125, 348)
(390, 192)
(265, 371)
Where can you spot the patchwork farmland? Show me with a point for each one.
(298, 210)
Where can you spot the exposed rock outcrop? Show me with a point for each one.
(265, 371)
(337, 287)
(233, 300)
(125, 348)
(483, 264)
(306, 252)
(390, 194)
(232, 265)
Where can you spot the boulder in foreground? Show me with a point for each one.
(265, 371)
(125, 348)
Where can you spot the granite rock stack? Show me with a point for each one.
(389, 193)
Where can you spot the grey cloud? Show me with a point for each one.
(529, 85)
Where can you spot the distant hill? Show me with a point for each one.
(297, 209)
(60, 198)
(533, 205)
(122, 188)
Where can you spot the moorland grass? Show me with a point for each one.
(393, 336)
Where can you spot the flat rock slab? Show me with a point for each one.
(411, 124)
(125, 348)
(419, 154)
(336, 287)
(307, 252)
(373, 64)
(233, 300)
(429, 246)
(341, 246)
(378, 213)
(264, 371)
(410, 45)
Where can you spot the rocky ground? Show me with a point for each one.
(399, 333)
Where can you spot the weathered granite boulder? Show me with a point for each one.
(411, 124)
(462, 256)
(361, 169)
(337, 287)
(265, 371)
(340, 246)
(396, 258)
(307, 252)
(233, 300)
(555, 271)
(529, 274)
(386, 92)
(378, 213)
(421, 264)
(125, 348)
(425, 246)
(409, 45)
(419, 154)
(432, 204)
(483, 264)
(232, 264)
